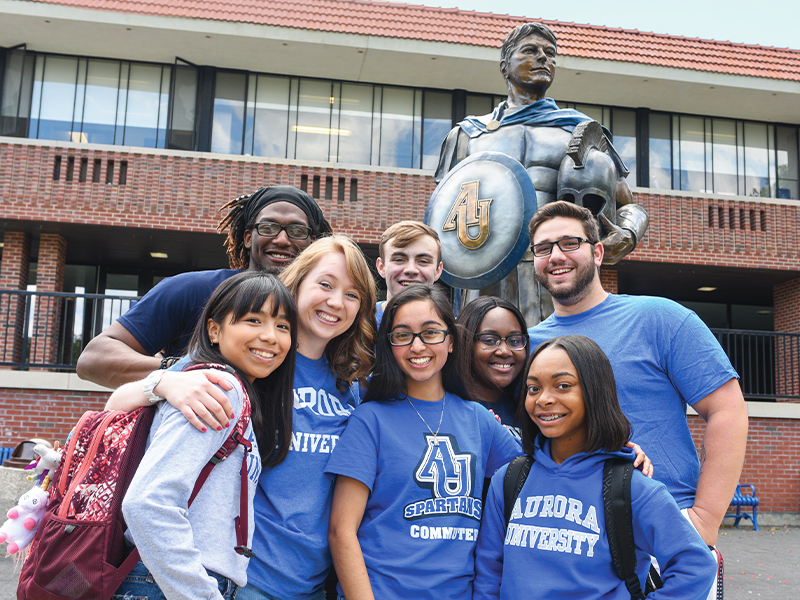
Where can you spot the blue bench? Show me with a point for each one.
(744, 500)
(4, 454)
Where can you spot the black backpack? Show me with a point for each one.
(619, 520)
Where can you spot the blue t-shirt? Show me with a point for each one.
(664, 357)
(379, 312)
(166, 316)
(421, 520)
(293, 501)
(556, 545)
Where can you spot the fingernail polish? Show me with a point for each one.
(219, 428)
(228, 424)
(232, 415)
(204, 430)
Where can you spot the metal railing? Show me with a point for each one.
(768, 362)
(50, 329)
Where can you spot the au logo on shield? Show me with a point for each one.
(469, 211)
(481, 211)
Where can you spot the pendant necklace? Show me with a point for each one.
(435, 435)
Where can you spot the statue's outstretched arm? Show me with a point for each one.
(622, 237)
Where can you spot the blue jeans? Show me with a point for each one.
(251, 592)
(140, 585)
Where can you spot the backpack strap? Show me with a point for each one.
(617, 476)
(516, 475)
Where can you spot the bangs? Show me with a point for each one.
(250, 296)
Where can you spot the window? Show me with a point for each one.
(723, 156)
(98, 101)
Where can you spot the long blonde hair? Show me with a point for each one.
(350, 355)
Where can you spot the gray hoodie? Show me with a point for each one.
(178, 545)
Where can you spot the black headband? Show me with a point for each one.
(286, 193)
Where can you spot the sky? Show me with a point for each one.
(764, 22)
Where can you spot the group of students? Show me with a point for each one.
(373, 447)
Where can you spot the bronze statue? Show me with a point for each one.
(567, 156)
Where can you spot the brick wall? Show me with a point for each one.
(772, 462)
(190, 188)
(139, 188)
(48, 414)
(49, 278)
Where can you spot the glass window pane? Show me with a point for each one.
(271, 117)
(437, 122)
(756, 160)
(660, 152)
(100, 102)
(313, 129)
(228, 127)
(355, 125)
(54, 93)
(184, 103)
(479, 104)
(787, 162)
(724, 151)
(12, 91)
(144, 103)
(693, 156)
(592, 111)
(397, 128)
(624, 133)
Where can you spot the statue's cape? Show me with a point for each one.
(542, 113)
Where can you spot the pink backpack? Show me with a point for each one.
(80, 551)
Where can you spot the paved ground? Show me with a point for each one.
(761, 564)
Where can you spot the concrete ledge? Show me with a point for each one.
(44, 380)
(763, 410)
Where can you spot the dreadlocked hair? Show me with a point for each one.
(235, 222)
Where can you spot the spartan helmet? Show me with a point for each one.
(588, 176)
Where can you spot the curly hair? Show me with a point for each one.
(350, 355)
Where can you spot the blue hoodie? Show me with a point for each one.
(556, 545)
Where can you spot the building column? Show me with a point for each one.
(609, 279)
(786, 300)
(13, 276)
(47, 319)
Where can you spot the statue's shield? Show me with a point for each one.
(481, 211)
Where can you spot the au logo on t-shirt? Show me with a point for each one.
(449, 474)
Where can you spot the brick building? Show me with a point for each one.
(126, 125)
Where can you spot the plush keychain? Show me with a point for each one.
(23, 519)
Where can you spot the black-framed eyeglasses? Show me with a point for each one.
(490, 341)
(270, 229)
(428, 336)
(567, 244)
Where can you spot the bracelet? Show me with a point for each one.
(168, 361)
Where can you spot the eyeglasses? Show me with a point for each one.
(270, 229)
(490, 341)
(567, 244)
(406, 338)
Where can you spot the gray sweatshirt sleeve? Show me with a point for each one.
(175, 542)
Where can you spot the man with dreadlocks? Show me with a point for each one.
(266, 231)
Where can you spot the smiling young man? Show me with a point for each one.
(267, 230)
(663, 357)
(410, 252)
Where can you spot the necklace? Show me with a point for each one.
(435, 435)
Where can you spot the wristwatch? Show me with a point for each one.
(150, 384)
